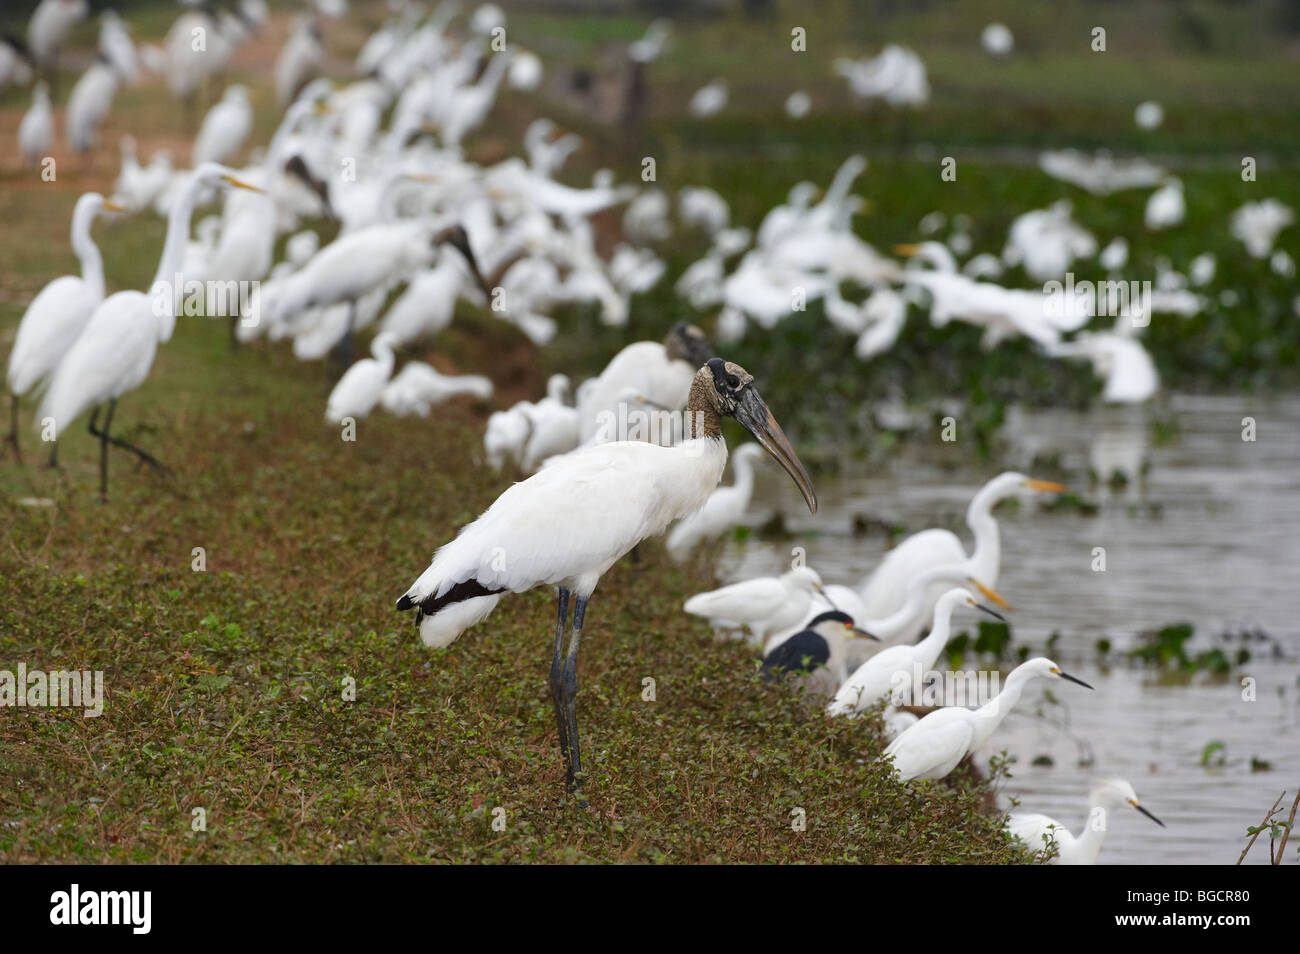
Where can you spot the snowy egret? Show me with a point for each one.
(36, 131)
(766, 604)
(361, 386)
(1038, 831)
(569, 523)
(939, 741)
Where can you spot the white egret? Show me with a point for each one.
(59, 312)
(16, 61)
(884, 591)
(890, 671)
(115, 46)
(1166, 207)
(89, 103)
(722, 510)
(1257, 224)
(224, 128)
(766, 604)
(1149, 115)
(553, 425)
(36, 131)
(115, 352)
(139, 187)
(569, 523)
(49, 26)
(935, 745)
(417, 387)
(300, 62)
(798, 104)
(997, 40)
(817, 654)
(1037, 832)
(359, 390)
(709, 100)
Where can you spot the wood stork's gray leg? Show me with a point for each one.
(557, 676)
(571, 701)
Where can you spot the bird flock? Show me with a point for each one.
(364, 212)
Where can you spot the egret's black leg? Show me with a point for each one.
(571, 702)
(54, 455)
(347, 337)
(103, 449)
(13, 425)
(556, 678)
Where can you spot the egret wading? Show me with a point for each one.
(1038, 831)
(570, 522)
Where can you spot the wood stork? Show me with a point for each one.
(876, 677)
(817, 654)
(114, 353)
(766, 604)
(722, 510)
(1038, 831)
(36, 131)
(569, 523)
(59, 312)
(49, 26)
(940, 740)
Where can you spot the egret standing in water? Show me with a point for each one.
(1036, 830)
(570, 522)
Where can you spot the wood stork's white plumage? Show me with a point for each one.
(817, 654)
(890, 671)
(885, 590)
(724, 508)
(114, 353)
(569, 523)
(935, 745)
(60, 310)
(225, 127)
(1039, 832)
(361, 386)
(766, 604)
(36, 131)
(417, 387)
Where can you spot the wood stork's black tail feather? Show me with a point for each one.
(466, 590)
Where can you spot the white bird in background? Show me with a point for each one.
(709, 100)
(1117, 357)
(897, 76)
(300, 62)
(225, 127)
(15, 62)
(1166, 207)
(1100, 174)
(417, 387)
(724, 508)
(766, 604)
(1038, 832)
(525, 73)
(139, 187)
(115, 352)
(116, 47)
(36, 131)
(935, 745)
(361, 386)
(884, 591)
(997, 40)
(49, 26)
(798, 104)
(890, 671)
(816, 655)
(553, 425)
(1149, 115)
(569, 523)
(89, 104)
(1257, 224)
(652, 44)
(59, 312)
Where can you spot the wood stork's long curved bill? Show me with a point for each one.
(458, 238)
(754, 416)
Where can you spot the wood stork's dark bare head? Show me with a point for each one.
(725, 388)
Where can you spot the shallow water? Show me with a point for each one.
(1209, 536)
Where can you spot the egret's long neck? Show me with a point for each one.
(930, 647)
(178, 232)
(92, 263)
(904, 617)
(1094, 832)
(743, 466)
(702, 416)
(987, 555)
(990, 715)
